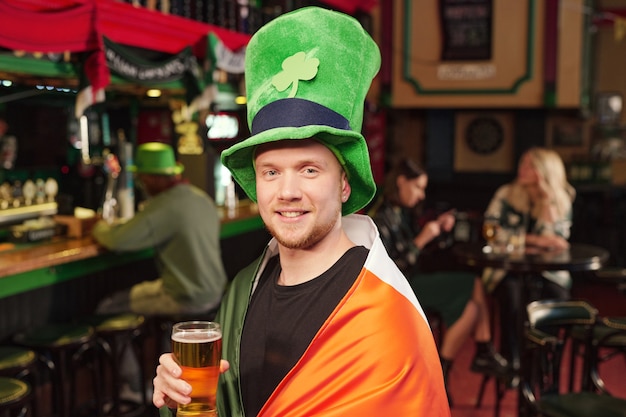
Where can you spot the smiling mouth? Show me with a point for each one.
(291, 213)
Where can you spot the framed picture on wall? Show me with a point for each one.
(568, 136)
(466, 27)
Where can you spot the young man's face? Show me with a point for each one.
(300, 188)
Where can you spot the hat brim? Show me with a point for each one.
(175, 170)
(351, 146)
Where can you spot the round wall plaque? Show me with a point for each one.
(484, 135)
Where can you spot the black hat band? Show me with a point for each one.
(296, 112)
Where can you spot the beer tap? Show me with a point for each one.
(112, 167)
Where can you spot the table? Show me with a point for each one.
(527, 265)
(579, 257)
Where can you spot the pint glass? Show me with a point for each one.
(197, 347)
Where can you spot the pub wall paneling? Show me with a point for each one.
(536, 56)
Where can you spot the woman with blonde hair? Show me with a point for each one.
(541, 198)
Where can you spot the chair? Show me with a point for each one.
(502, 382)
(609, 339)
(68, 348)
(543, 392)
(15, 397)
(115, 333)
(22, 363)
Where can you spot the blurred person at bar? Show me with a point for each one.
(182, 224)
(541, 197)
(323, 323)
(457, 295)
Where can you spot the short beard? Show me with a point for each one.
(317, 234)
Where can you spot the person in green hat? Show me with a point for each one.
(182, 224)
(323, 322)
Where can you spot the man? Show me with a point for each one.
(323, 323)
(181, 223)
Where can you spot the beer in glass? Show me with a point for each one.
(197, 347)
(491, 229)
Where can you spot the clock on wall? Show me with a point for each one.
(484, 135)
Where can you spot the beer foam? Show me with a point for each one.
(196, 337)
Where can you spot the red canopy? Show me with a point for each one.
(78, 25)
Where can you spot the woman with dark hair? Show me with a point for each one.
(458, 296)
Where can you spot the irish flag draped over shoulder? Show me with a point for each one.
(374, 355)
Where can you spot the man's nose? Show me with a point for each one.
(289, 187)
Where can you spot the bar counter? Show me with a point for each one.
(64, 277)
(42, 260)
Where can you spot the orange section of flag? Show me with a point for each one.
(375, 355)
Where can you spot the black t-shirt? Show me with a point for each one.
(282, 320)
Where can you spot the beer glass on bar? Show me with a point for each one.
(197, 347)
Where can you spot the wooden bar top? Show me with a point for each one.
(20, 258)
(24, 258)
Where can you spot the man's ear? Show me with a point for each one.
(345, 188)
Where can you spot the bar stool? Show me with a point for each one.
(68, 347)
(21, 363)
(15, 397)
(502, 382)
(115, 333)
(608, 335)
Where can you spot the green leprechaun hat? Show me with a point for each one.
(156, 158)
(307, 73)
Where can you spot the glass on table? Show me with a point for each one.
(491, 229)
(197, 347)
(516, 239)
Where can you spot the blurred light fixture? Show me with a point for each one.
(222, 126)
(240, 100)
(153, 92)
